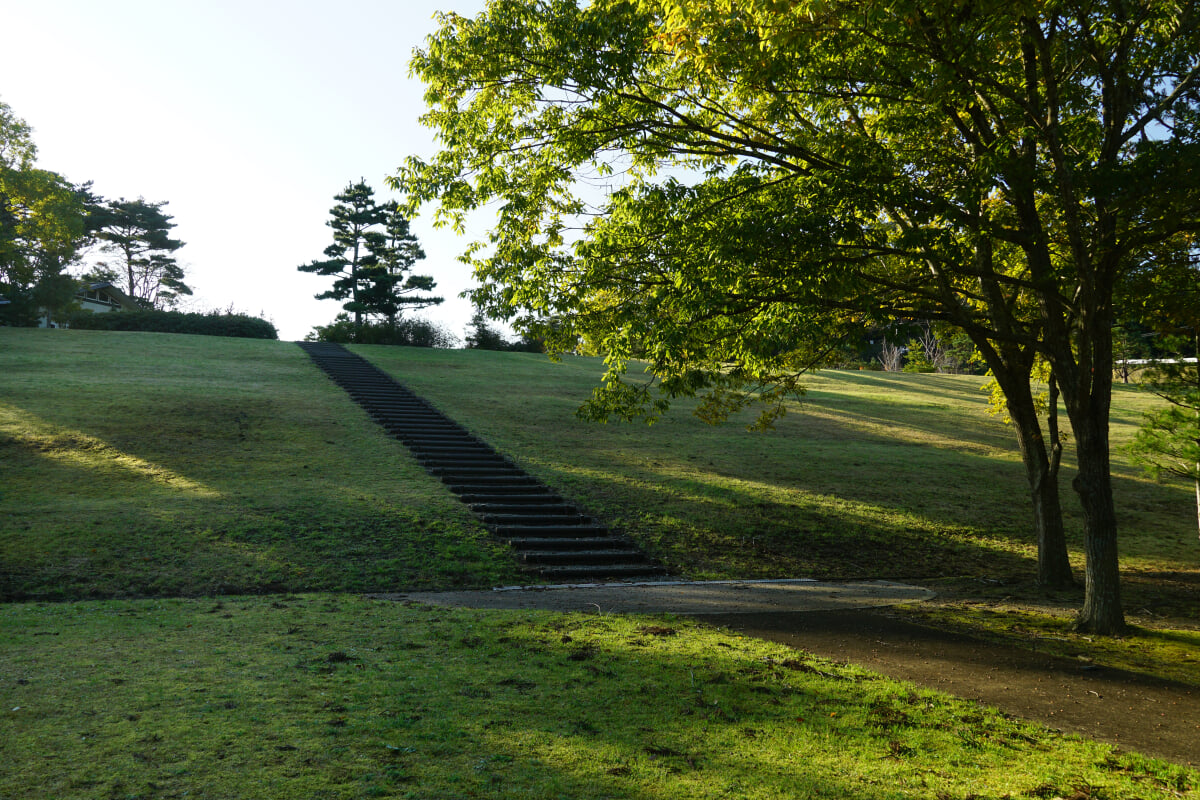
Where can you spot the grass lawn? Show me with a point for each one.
(136, 464)
(164, 481)
(335, 696)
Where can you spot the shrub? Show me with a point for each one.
(404, 332)
(482, 336)
(212, 323)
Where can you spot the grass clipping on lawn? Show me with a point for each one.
(347, 697)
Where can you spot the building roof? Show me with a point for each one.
(119, 297)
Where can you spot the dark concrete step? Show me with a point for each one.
(415, 440)
(465, 490)
(412, 418)
(437, 451)
(480, 460)
(630, 556)
(510, 507)
(548, 531)
(527, 499)
(472, 481)
(425, 428)
(526, 543)
(571, 517)
(549, 535)
(438, 465)
(485, 472)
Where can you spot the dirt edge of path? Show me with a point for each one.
(1134, 712)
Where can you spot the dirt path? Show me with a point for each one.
(1153, 717)
(849, 622)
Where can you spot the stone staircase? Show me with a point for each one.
(550, 536)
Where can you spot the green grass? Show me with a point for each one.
(334, 696)
(872, 475)
(136, 464)
(147, 471)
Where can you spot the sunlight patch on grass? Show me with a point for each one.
(346, 697)
(77, 449)
(946, 438)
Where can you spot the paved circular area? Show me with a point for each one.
(684, 597)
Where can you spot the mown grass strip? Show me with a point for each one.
(872, 475)
(346, 697)
(135, 464)
(885, 474)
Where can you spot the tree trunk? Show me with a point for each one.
(1102, 611)
(1054, 565)
(1013, 370)
(1088, 409)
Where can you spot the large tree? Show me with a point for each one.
(371, 258)
(994, 166)
(41, 227)
(138, 233)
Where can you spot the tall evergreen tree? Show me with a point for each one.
(138, 233)
(372, 253)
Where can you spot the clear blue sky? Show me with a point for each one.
(247, 117)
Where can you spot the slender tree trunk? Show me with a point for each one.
(1054, 565)
(1198, 500)
(1102, 611)
(1088, 400)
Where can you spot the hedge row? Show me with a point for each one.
(413, 332)
(210, 324)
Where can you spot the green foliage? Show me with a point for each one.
(371, 258)
(138, 234)
(41, 228)
(787, 169)
(1169, 439)
(212, 323)
(482, 335)
(410, 332)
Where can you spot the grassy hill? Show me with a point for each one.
(139, 464)
(162, 480)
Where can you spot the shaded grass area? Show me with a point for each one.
(136, 465)
(346, 697)
(874, 475)
(139, 464)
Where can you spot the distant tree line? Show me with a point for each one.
(49, 226)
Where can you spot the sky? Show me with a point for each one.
(247, 118)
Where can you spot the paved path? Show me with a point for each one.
(849, 622)
(684, 597)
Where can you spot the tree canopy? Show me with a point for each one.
(371, 258)
(42, 226)
(778, 168)
(138, 233)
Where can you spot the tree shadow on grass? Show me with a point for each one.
(82, 517)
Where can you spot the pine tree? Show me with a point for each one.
(370, 258)
(139, 234)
